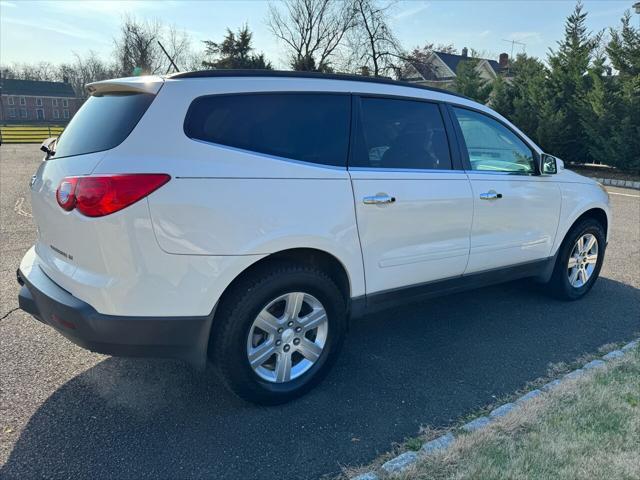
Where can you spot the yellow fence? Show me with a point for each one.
(28, 133)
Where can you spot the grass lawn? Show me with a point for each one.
(587, 428)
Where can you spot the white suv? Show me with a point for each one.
(242, 217)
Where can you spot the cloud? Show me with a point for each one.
(93, 7)
(61, 28)
(416, 8)
(484, 33)
(524, 37)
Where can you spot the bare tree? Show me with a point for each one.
(178, 46)
(85, 69)
(311, 30)
(137, 50)
(42, 71)
(373, 48)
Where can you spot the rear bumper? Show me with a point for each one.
(174, 337)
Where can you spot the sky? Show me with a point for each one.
(34, 31)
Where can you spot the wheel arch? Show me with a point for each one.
(322, 259)
(326, 261)
(597, 212)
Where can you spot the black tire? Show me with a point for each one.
(235, 316)
(559, 285)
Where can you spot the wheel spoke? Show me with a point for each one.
(592, 259)
(267, 322)
(314, 319)
(583, 276)
(283, 367)
(574, 276)
(261, 354)
(294, 304)
(580, 244)
(309, 350)
(590, 243)
(573, 262)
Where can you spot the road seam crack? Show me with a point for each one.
(9, 313)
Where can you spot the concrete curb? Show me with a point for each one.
(618, 183)
(405, 460)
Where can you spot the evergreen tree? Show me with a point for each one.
(623, 101)
(521, 96)
(235, 51)
(624, 48)
(502, 94)
(530, 85)
(568, 84)
(468, 82)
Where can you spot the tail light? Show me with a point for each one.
(96, 196)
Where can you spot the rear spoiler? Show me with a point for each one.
(145, 84)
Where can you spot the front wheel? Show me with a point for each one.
(579, 261)
(277, 333)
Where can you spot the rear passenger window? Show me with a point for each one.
(401, 134)
(308, 127)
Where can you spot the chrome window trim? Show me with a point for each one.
(405, 170)
(510, 174)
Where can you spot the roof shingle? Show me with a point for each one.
(453, 61)
(36, 88)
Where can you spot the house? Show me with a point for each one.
(439, 69)
(31, 101)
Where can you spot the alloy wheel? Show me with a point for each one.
(582, 261)
(287, 337)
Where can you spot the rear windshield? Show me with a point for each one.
(103, 122)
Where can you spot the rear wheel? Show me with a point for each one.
(579, 260)
(276, 334)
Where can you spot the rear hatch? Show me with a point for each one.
(66, 240)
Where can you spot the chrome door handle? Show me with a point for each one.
(490, 195)
(380, 199)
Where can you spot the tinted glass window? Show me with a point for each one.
(492, 146)
(308, 127)
(103, 122)
(402, 134)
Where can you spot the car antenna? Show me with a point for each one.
(170, 59)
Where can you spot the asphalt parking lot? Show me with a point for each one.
(69, 413)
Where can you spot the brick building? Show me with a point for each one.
(31, 101)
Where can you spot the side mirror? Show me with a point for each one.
(548, 164)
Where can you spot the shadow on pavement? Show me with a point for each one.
(421, 364)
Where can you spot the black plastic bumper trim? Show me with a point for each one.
(173, 337)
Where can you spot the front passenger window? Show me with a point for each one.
(493, 147)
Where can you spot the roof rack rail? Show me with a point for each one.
(317, 75)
